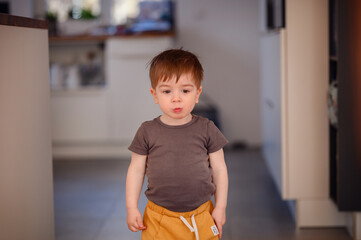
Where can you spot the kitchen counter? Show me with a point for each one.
(27, 210)
(10, 20)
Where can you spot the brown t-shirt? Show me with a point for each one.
(178, 169)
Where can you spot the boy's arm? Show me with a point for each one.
(135, 178)
(220, 179)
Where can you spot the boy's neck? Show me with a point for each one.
(175, 122)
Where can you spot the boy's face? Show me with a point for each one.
(177, 100)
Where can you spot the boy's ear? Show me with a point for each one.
(154, 94)
(199, 91)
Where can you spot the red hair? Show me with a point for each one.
(173, 63)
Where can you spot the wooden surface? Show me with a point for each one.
(87, 37)
(10, 20)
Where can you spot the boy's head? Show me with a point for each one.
(173, 63)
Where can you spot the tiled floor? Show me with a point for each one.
(90, 202)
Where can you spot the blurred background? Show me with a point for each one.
(225, 36)
(271, 75)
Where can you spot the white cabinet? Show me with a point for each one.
(295, 125)
(79, 96)
(80, 115)
(295, 80)
(26, 171)
(111, 113)
(129, 84)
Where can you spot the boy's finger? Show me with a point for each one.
(133, 228)
(219, 230)
(140, 224)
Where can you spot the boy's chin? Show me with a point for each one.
(178, 116)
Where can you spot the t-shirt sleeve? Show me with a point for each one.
(139, 144)
(216, 140)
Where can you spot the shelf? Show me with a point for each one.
(102, 38)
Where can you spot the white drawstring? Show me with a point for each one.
(194, 228)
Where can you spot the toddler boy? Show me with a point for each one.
(182, 156)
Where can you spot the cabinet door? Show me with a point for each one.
(306, 84)
(80, 115)
(131, 101)
(294, 85)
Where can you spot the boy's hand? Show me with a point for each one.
(134, 220)
(219, 217)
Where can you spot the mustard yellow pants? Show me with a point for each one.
(163, 224)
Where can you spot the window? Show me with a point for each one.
(123, 10)
(62, 8)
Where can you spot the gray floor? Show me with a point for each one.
(90, 202)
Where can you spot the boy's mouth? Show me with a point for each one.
(177, 110)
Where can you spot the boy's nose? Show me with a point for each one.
(176, 97)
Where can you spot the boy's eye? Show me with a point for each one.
(166, 91)
(185, 91)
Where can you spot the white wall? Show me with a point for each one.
(22, 8)
(225, 36)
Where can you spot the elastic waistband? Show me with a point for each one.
(161, 210)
